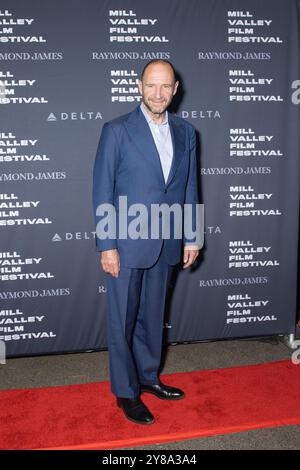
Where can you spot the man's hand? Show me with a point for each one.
(110, 262)
(189, 256)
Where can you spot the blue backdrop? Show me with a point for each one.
(69, 66)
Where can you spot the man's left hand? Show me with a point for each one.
(189, 256)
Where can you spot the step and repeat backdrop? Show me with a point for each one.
(68, 66)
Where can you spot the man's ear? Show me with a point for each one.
(140, 86)
(175, 88)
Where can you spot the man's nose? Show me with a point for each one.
(158, 93)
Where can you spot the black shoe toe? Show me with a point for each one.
(163, 391)
(135, 410)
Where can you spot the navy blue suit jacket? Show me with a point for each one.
(128, 164)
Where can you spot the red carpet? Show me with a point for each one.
(217, 402)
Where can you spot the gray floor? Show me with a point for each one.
(91, 367)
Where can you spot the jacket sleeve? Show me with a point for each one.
(192, 215)
(103, 188)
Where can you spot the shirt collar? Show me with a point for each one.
(148, 117)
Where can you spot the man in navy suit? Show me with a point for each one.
(144, 158)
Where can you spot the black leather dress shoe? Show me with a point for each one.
(135, 410)
(163, 391)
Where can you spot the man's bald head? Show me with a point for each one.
(159, 61)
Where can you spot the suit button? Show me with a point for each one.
(165, 191)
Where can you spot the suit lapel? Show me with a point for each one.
(178, 140)
(141, 135)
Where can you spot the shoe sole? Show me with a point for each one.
(139, 422)
(163, 398)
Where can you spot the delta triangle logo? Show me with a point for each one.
(51, 117)
(56, 238)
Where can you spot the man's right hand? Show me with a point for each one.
(110, 262)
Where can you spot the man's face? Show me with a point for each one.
(158, 87)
